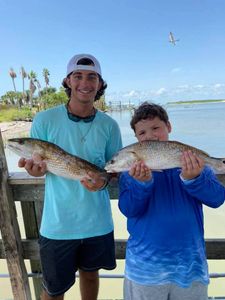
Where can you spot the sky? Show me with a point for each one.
(130, 38)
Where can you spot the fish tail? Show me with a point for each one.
(218, 165)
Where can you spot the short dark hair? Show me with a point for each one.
(86, 62)
(148, 110)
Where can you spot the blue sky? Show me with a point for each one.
(130, 39)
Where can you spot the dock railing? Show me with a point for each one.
(29, 191)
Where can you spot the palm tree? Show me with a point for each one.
(38, 85)
(46, 74)
(32, 77)
(12, 74)
(24, 75)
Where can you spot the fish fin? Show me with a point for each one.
(194, 149)
(137, 157)
(222, 159)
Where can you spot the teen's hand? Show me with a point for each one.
(93, 182)
(34, 168)
(192, 165)
(140, 171)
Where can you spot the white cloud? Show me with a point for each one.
(175, 70)
(131, 94)
(160, 91)
(177, 93)
(219, 86)
(199, 86)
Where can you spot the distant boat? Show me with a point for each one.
(172, 40)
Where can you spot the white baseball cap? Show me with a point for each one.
(73, 66)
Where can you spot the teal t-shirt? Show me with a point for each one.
(71, 211)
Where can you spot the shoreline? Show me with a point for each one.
(14, 129)
(195, 102)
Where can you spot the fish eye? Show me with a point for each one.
(112, 161)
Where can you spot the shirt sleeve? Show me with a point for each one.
(38, 128)
(134, 195)
(206, 188)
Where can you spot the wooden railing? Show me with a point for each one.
(29, 192)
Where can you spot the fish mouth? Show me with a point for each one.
(110, 171)
(16, 140)
(109, 164)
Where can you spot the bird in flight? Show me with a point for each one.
(172, 40)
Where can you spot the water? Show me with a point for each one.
(199, 125)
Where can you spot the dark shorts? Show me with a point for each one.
(61, 259)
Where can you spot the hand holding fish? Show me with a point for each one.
(140, 171)
(191, 164)
(93, 182)
(34, 168)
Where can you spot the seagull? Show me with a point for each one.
(172, 39)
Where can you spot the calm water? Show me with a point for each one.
(202, 126)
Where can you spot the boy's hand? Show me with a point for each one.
(93, 182)
(140, 171)
(192, 165)
(35, 169)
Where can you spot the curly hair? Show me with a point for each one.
(148, 110)
(86, 62)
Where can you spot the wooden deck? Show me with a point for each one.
(29, 191)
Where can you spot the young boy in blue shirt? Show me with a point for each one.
(165, 255)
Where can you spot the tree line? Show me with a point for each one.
(45, 97)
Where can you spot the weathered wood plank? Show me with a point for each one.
(11, 235)
(32, 232)
(215, 249)
(38, 211)
(28, 193)
(35, 192)
(24, 178)
(28, 188)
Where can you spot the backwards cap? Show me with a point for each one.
(73, 66)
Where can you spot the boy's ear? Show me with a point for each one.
(67, 80)
(99, 85)
(169, 126)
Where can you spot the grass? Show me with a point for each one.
(15, 114)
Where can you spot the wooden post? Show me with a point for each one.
(30, 218)
(11, 235)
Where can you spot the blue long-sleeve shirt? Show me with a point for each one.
(165, 223)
